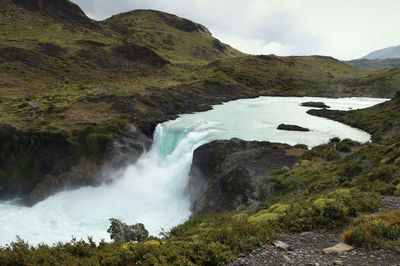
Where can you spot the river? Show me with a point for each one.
(153, 191)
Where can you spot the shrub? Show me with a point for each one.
(301, 146)
(331, 155)
(273, 213)
(384, 173)
(334, 140)
(346, 145)
(325, 152)
(343, 147)
(350, 169)
(375, 231)
(397, 190)
(328, 211)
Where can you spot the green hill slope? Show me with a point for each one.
(51, 54)
(176, 39)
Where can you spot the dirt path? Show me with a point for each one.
(306, 249)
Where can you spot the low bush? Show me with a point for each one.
(375, 231)
(301, 146)
(346, 145)
(326, 210)
(350, 169)
(324, 151)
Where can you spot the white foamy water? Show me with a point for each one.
(154, 190)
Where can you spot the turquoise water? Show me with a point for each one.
(153, 191)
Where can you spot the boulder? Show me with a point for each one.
(228, 175)
(339, 248)
(315, 104)
(292, 128)
(120, 231)
(280, 245)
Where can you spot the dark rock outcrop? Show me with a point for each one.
(181, 23)
(228, 175)
(292, 128)
(60, 9)
(28, 57)
(315, 104)
(91, 43)
(38, 164)
(51, 49)
(141, 54)
(217, 44)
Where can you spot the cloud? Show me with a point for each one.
(345, 29)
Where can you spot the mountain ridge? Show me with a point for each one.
(385, 53)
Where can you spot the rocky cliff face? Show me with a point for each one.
(228, 175)
(38, 164)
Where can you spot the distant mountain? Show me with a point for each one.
(390, 52)
(376, 64)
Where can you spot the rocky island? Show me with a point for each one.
(315, 104)
(292, 128)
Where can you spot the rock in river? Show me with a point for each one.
(315, 104)
(292, 128)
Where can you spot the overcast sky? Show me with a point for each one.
(344, 29)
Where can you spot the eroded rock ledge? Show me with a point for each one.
(36, 165)
(228, 175)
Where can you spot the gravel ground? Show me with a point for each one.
(390, 203)
(306, 249)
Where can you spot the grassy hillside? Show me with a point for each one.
(296, 75)
(52, 62)
(177, 39)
